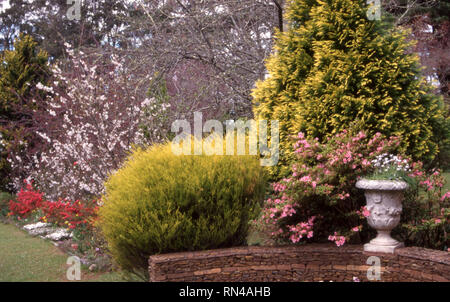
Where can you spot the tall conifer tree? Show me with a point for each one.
(333, 68)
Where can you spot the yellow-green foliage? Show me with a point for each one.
(333, 67)
(21, 70)
(161, 203)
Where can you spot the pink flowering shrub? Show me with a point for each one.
(426, 211)
(319, 201)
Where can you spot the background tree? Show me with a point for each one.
(46, 21)
(220, 44)
(429, 21)
(12, 22)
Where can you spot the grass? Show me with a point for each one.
(27, 259)
(447, 185)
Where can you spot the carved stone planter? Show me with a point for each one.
(384, 202)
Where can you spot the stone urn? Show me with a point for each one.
(384, 202)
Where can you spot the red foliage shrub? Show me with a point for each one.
(69, 214)
(63, 213)
(28, 200)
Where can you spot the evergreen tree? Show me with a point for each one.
(21, 70)
(334, 69)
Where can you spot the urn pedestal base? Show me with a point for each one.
(388, 249)
(383, 243)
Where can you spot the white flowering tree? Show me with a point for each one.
(96, 111)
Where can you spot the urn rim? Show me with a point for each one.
(382, 184)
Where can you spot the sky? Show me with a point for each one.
(4, 4)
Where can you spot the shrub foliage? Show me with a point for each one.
(319, 201)
(160, 203)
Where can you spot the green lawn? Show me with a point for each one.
(447, 185)
(24, 258)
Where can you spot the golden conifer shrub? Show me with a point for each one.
(159, 202)
(334, 67)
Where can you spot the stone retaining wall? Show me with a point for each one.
(315, 262)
